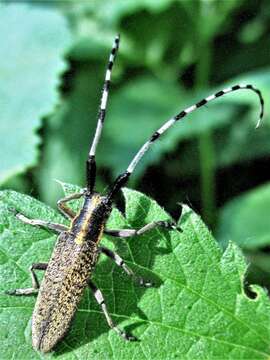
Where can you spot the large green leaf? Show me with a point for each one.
(197, 309)
(32, 41)
(245, 219)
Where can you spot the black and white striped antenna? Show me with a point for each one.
(123, 178)
(91, 162)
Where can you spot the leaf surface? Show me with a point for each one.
(197, 309)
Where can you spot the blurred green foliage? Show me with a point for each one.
(245, 219)
(172, 53)
(30, 65)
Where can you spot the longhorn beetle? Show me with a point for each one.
(77, 248)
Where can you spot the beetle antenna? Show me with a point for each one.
(91, 162)
(123, 178)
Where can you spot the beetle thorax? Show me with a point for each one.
(89, 224)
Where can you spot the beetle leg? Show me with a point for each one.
(46, 224)
(132, 232)
(35, 283)
(64, 209)
(120, 262)
(100, 300)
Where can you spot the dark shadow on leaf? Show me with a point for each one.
(130, 328)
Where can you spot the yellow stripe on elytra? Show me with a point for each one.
(80, 238)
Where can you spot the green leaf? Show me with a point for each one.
(32, 41)
(198, 308)
(245, 219)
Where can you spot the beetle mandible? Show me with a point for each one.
(77, 249)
